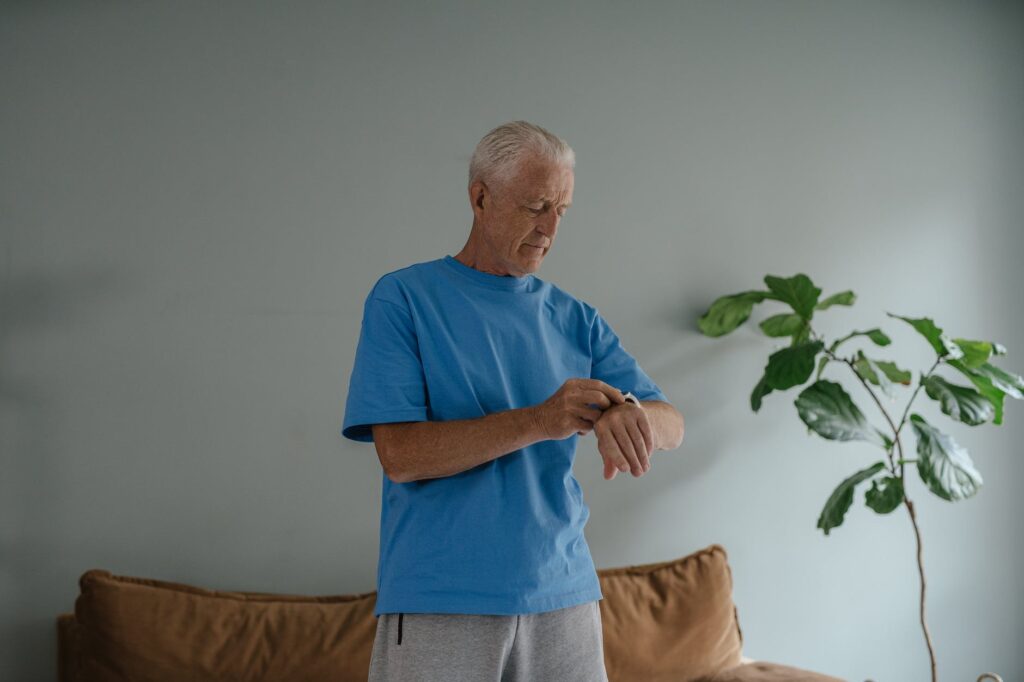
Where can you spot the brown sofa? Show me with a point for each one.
(672, 621)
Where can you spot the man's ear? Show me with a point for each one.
(479, 196)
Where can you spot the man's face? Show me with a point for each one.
(520, 217)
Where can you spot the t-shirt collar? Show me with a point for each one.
(509, 282)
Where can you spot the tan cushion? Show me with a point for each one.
(764, 671)
(670, 621)
(158, 631)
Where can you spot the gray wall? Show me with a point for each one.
(196, 198)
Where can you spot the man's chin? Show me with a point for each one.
(532, 265)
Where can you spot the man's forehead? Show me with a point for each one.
(545, 193)
(541, 197)
(548, 196)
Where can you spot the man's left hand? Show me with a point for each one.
(625, 439)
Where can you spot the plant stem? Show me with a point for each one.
(906, 500)
(920, 569)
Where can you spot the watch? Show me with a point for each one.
(629, 397)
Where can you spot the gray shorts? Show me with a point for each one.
(564, 645)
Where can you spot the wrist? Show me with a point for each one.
(533, 423)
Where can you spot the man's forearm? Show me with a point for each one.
(666, 423)
(434, 449)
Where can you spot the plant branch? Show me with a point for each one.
(881, 408)
(903, 419)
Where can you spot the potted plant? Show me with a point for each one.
(827, 409)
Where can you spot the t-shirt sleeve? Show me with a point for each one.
(387, 382)
(612, 364)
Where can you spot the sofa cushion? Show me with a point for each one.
(670, 621)
(148, 630)
(765, 671)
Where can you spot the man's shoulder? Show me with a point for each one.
(394, 285)
(564, 295)
(569, 303)
(411, 271)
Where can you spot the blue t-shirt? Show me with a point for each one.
(439, 341)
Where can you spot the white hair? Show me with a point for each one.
(497, 155)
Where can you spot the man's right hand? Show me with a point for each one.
(571, 408)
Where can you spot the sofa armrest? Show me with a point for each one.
(766, 671)
(67, 648)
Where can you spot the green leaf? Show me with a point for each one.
(842, 497)
(842, 298)
(875, 334)
(824, 360)
(798, 291)
(760, 390)
(791, 366)
(894, 373)
(884, 495)
(975, 352)
(878, 336)
(827, 409)
(959, 402)
(942, 344)
(985, 386)
(1007, 382)
(881, 372)
(943, 464)
(802, 335)
(729, 312)
(866, 368)
(993, 383)
(787, 367)
(783, 324)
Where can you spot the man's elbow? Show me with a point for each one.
(391, 468)
(393, 474)
(682, 430)
(384, 442)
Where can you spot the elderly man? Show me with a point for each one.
(474, 378)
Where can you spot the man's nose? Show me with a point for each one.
(549, 224)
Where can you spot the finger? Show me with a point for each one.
(639, 446)
(629, 457)
(609, 452)
(592, 396)
(610, 470)
(583, 425)
(614, 394)
(588, 413)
